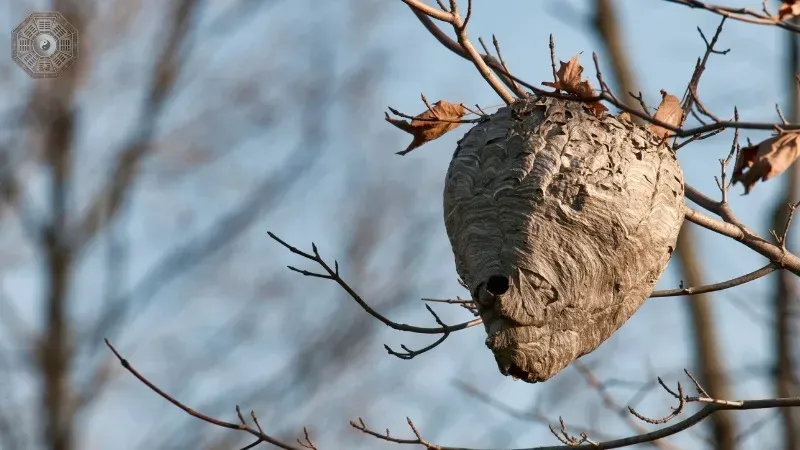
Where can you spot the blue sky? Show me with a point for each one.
(359, 154)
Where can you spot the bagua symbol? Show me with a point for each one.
(44, 45)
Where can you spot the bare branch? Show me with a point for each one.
(740, 14)
(242, 426)
(738, 281)
(332, 274)
(412, 353)
(690, 96)
(496, 66)
(430, 11)
(713, 406)
(610, 403)
(460, 28)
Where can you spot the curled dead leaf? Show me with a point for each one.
(788, 9)
(766, 159)
(442, 117)
(569, 80)
(670, 112)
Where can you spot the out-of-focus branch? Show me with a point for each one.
(705, 345)
(62, 245)
(529, 415)
(12, 197)
(784, 295)
(227, 227)
(52, 104)
(109, 199)
(607, 26)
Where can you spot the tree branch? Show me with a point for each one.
(497, 67)
(332, 273)
(713, 406)
(740, 14)
(738, 281)
(241, 426)
(460, 27)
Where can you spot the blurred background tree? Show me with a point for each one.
(137, 189)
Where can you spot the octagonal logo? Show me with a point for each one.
(44, 44)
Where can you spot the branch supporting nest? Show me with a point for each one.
(460, 27)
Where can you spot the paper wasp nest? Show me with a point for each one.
(561, 223)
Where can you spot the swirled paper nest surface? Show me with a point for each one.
(560, 223)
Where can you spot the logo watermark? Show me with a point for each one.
(44, 45)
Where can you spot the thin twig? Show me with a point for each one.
(691, 88)
(570, 442)
(740, 14)
(495, 65)
(553, 58)
(738, 281)
(460, 28)
(516, 88)
(610, 403)
(262, 437)
(332, 273)
(694, 419)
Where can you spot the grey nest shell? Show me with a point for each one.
(560, 223)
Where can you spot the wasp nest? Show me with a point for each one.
(561, 223)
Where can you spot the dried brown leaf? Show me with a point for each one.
(569, 80)
(766, 159)
(598, 109)
(568, 76)
(788, 9)
(669, 111)
(442, 117)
